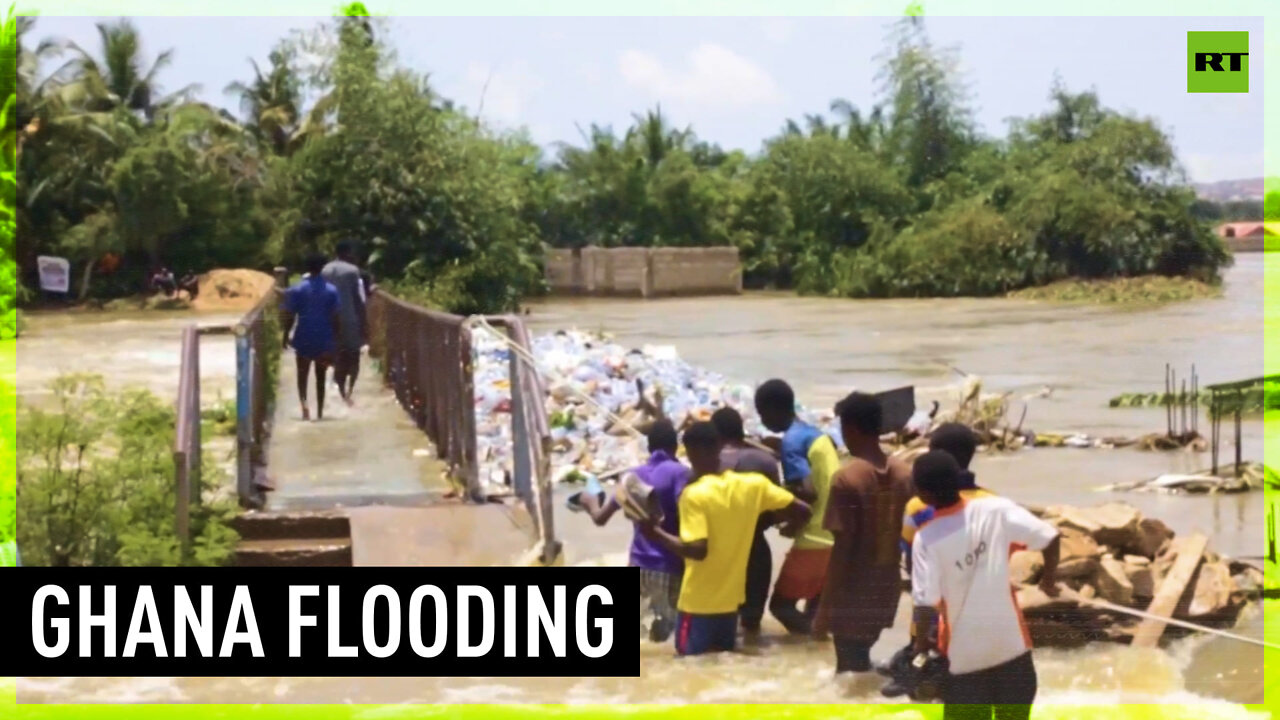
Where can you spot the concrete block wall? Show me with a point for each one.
(1252, 243)
(696, 271)
(645, 272)
(563, 269)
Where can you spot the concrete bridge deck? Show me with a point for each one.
(372, 464)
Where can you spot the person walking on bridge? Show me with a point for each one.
(313, 305)
(344, 274)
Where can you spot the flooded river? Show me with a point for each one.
(1084, 355)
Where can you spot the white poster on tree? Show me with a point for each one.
(55, 274)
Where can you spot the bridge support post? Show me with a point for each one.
(244, 417)
(522, 455)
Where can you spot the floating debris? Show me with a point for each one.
(630, 388)
(1254, 476)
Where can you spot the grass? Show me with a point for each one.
(1150, 289)
(218, 419)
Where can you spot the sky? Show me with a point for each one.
(736, 80)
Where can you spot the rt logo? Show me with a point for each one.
(1217, 62)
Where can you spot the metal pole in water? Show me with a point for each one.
(1182, 408)
(1194, 400)
(1239, 408)
(1215, 427)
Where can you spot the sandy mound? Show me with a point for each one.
(232, 289)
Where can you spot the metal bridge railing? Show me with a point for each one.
(531, 436)
(186, 445)
(426, 359)
(257, 367)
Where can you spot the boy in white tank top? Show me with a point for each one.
(960, 579)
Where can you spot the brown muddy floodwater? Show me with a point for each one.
(825, 348)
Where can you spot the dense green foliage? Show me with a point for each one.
(1230, 211)
(8, 497)
(908, 199)
(8, 179)
(95, 478)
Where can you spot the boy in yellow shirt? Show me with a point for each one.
(718, 516)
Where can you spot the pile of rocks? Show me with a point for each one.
(1113, 553)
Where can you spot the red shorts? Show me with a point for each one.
(803, 574)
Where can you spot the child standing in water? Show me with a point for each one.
(868, 497)
(718, 515)
(809, 460)
(660, 569)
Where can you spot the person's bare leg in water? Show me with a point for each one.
(340, 377)
(322, 370)
(353, 371)
(304, 368)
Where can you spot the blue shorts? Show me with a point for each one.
(698, 634)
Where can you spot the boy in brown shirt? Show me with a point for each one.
(864, 514)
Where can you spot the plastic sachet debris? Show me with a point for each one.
(579, 363)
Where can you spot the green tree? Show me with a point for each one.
(930, 126)
(271, 102)
(184, 193)
(1103, 196)
(120, 77)
(442, 203)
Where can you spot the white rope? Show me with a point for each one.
(1178, 623)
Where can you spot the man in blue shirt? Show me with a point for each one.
(313, 304)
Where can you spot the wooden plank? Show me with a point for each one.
(1190, 552)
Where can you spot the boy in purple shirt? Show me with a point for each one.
(660, 569)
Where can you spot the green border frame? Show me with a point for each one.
(1270, 85)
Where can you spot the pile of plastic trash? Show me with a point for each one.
(586, 443)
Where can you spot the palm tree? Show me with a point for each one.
(868, 131)
(120, 78)
(271, 102)
(30, 94)
(654, 138)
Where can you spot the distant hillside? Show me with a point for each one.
(1229, 190)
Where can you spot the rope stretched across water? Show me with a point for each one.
(1103, 604)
